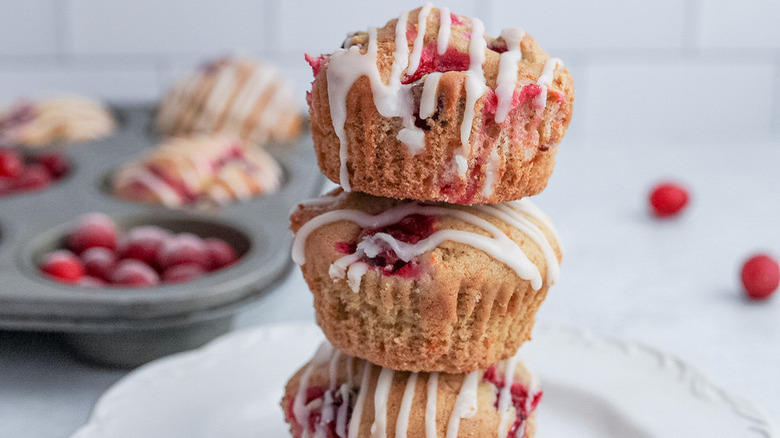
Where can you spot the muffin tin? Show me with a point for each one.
(124, 326)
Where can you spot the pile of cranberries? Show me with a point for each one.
(97, 254)
(23, 173)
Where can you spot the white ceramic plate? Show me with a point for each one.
(593, 387)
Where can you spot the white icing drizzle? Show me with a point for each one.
(218, 98)
(515, 217)
(493, 165)
(428, 97)
(530, 209)
(498, 245)
(475, 88)
(430, 405)
(545, 80)
(357, 413)
(422, 24)
(341, 415)
(465, 404)
(301, 410)
(381, 394)
(507, 71)
(328, 414)
(402, 422)
(445, 27)
(505, 396)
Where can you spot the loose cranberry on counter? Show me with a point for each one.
(135, 274)
(668, 199)
(93, 230)
(760, 276)
(63, 266)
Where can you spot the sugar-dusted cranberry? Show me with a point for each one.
(144, 243)
(88, 281)
(760, 276)
(220, 254)
(93, 230)
(668, 199)
(99, 261)
(11, 163)
(55, 164)
(183, 248)
(33, 177)
(134, 273)
(62, 266)
(182, 273)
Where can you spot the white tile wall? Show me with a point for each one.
(27, 27)
(606, 24)
(740, 24)
(164, 26)
(662, 69)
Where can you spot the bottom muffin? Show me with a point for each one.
(336, 395)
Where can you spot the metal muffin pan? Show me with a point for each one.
(130, 326)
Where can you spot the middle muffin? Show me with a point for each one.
(419, 286)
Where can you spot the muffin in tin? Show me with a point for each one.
(233, 95)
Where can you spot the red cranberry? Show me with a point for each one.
(220, 253)
(760, 276)
(668, 199)
(99, 262)
(134, 273)
(63, 266)
(33, 177)
(93, 230)
(55, 164)
(144, 243)
(11, 164)
(183, 248)
(182, 273)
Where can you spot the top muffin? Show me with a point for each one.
(429, 107)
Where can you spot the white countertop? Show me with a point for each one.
(672, 283)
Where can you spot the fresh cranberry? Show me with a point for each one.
(33, 177)
(99, 262)
(134, 273)
(432, 61)
(63, 266)
(668, 199)
(760, 276)
(182, 273)
(144, 243)
(87, 281)
(55, 164)
(93, 230)
(183, 248)
(220, 254)
(11, 163)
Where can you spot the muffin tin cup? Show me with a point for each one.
(129, 326)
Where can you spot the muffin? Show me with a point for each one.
(430, 107)
(204, 168)
(425, 286)
(238, 96)
(59, 120)
(336, 395)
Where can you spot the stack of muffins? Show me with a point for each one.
(429, 263)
